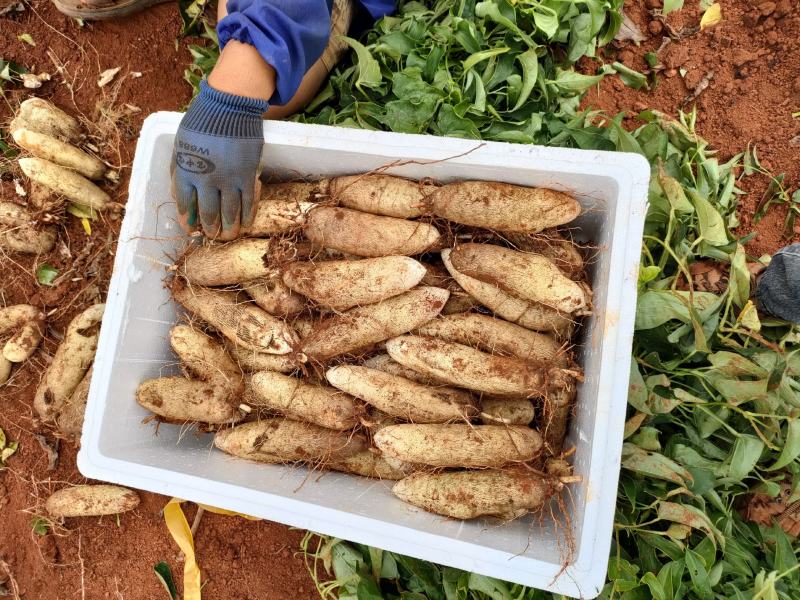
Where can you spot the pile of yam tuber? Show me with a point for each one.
(393, 329)
(58, 169)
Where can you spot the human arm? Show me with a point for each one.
(267, 46)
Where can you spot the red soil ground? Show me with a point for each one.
(754, 55)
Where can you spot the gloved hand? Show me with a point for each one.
(215, 162)
(778, 290)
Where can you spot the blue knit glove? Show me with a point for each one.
(778, 289)
(215, 162)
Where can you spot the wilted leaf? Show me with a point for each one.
(81, 211)
(691, 516)
(653, 464)
(712, 16)
(26, 37)
(629, 31)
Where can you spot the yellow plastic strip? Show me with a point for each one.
(182, 534)
(230, 513)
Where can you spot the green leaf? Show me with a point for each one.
(739, 284)
(674, 192)
(530, 71)
(656, 307)
(493, 588)
(697, 571)
(655, 587)
(369, 71)
(368, 590)
(572, 81)
(546, 19)
(46, 273)
(637, 392)
(791, 446)
(630, 77)
(490, 10)
(785, 557)
(671, 6)
(479, 57)
(164, 575)
(712, 227)
(449, 123)
(746, 451)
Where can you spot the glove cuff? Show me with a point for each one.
(219, 113)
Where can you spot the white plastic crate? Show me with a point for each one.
(133, 346)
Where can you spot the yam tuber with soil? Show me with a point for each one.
(72, 360)
(355, 342)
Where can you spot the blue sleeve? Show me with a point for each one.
(379, 8)
(290, 35)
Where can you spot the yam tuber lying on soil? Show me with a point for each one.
(297, 399)
(284, 440)
(502, 206)
(26, 323)
(525, 275)
(61, 153)
(64, 181)
(242, 323)
(37, 114)
(73, 358)
(507, 493)
(368, 235)
(91, 501)
(522, 312)
(496, 337)
(343, 284)
(507, 411)
(381, 194)
(402, 397)
(466, 367)
(19, 233)
(359, 328)
(70, 418)
(459, 445)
